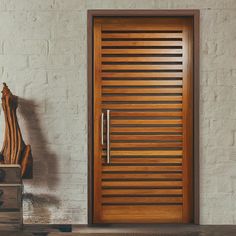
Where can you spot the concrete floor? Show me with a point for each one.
(139, 230)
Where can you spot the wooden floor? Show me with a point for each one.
(149, 230)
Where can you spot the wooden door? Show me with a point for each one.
(143, 121)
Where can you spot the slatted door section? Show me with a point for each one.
(143, 77)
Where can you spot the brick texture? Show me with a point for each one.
(43, 59)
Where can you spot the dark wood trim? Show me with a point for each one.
(45, 229)
(148, 13)
(90, 116)
(196, 169)
(195, 14)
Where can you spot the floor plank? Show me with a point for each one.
(149, 230)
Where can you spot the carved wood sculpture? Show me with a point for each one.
(14, 150)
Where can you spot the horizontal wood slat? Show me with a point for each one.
(143, 200)
(147, 129)
(127, 144)
(142, 90)
(142, 51)
(142, 75)
(142, 24)
(143, 176)
(143, 59)
(141, 43)
(141, 106)
(143, 35)
(157, 137)
(147, 114)
(145, 160)
(146, 121)
(144, 192)
(141, 168)
(142, 83)
(141, 98)
(142, 183)
(146, 153)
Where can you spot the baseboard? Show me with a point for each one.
(34, 228)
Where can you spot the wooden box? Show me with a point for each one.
(11, 217)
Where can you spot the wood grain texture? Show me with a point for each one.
(146, 153)
(135, 168)
(142, 183)
(10, 197)
(14, 150)
(140, 98)
(141, 176)
(142, 35)
(11, 217)
(141, 43)
(140, 75)
(96, 121)
(126, 144)
(156, 137)
(10, 174)
(141, 106)
(188, 123)
(149, 200)
(155, 114)
(141, 83)
(178, 58)
(142, 51)
(141, 214)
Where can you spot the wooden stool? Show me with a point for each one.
(11, 217)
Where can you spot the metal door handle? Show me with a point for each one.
(102, 123)
(108, 136)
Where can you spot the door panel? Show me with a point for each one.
(143, 145)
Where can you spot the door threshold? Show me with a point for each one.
(137, 228)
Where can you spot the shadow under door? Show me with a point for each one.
(142, 120)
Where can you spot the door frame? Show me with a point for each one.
(195, 15)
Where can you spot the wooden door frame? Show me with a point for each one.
(195, 15)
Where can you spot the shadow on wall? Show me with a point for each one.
(45, 161)
(43, 157)
(40, 202)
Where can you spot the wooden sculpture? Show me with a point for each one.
(14, 150)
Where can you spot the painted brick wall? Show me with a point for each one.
(43, 60)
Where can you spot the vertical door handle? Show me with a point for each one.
(108, 136)
(102, 124)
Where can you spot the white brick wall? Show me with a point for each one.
(43, 59)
